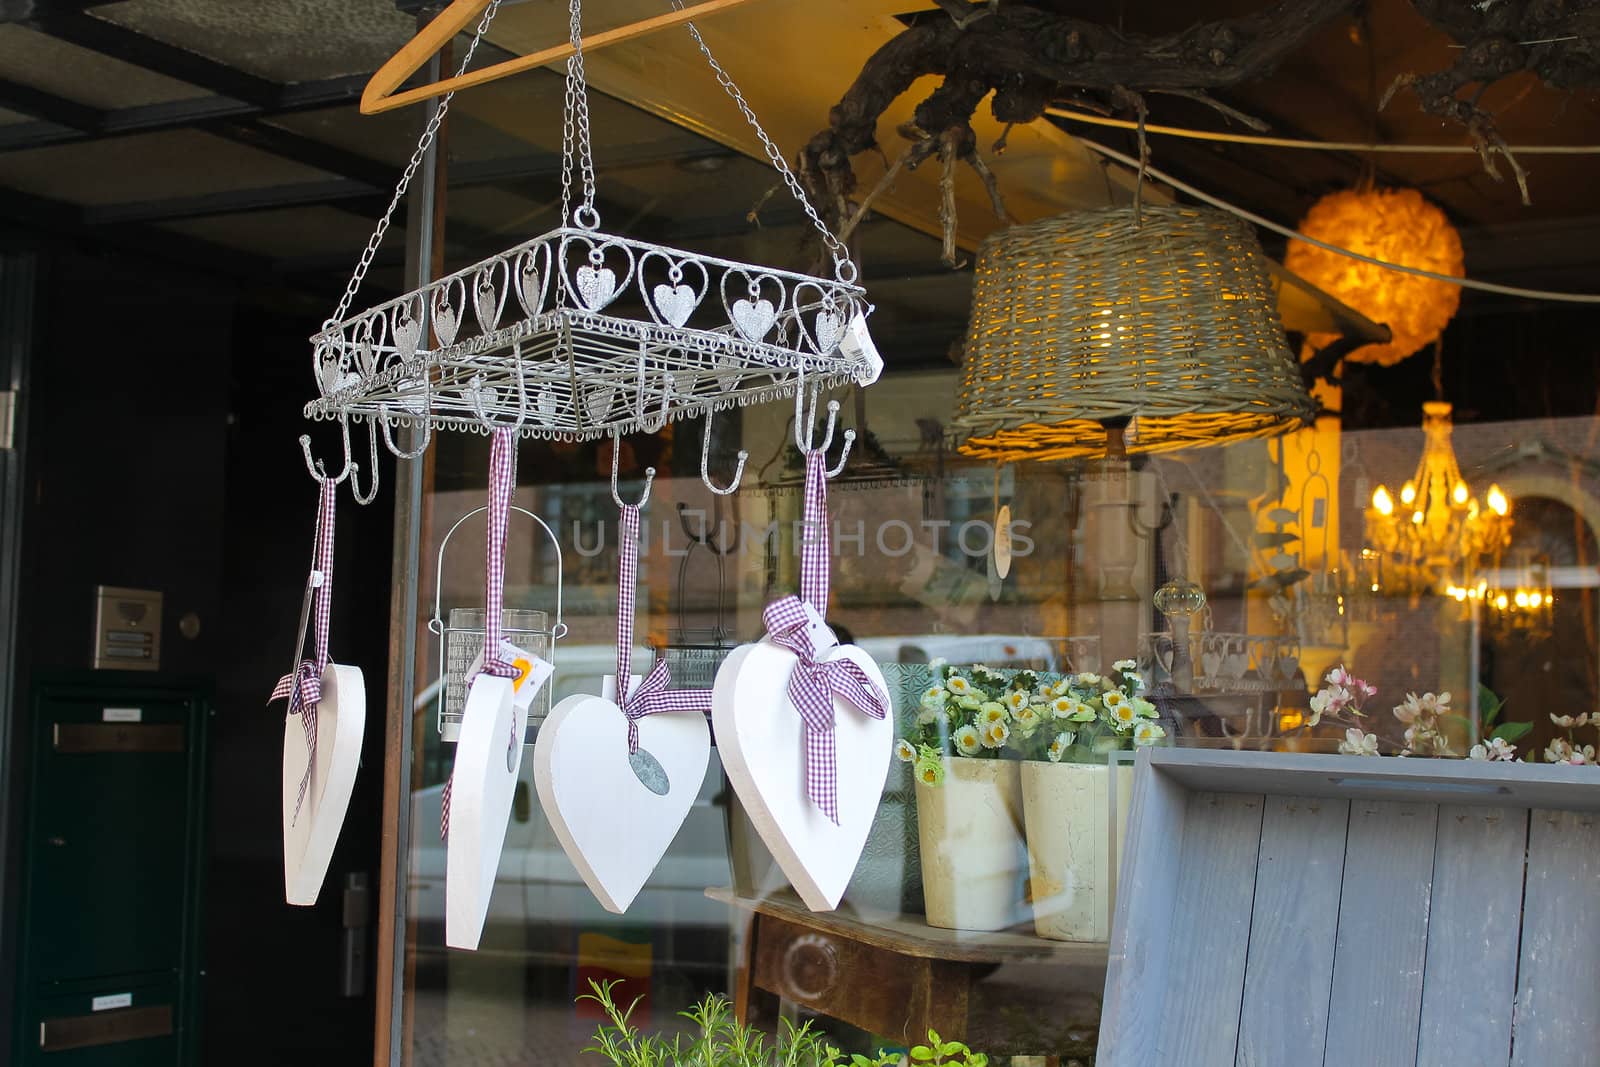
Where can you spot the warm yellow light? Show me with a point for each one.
(1549, 598)
(1458, 592)
(1290, 720)
(1382, 502)
(1497, 501)
(1408, 493)
(1521, 599)
(1460, 493)
(1396, 225)
(1416, 517)
(1501, 602)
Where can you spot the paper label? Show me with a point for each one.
(608, 686)
(857, 347)
(818, 633)
(111, 1000)
(121, 714)
(532, 672)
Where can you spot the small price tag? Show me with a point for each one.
(857, 346)
(532, 672)
(818, 632)
(121, 714)
(110, 1001)
(608, 686)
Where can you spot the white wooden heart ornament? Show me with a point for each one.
(613, 826)
(761, 739)
(488, 756)
(754, 318)
(310, 835)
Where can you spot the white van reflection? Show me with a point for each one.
(538, 886)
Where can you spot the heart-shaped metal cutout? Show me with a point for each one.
(830, 327)
(407, 333)
(488, 297)
(754, 318)
(597, 403)
(531, 281)
(597, 286)
(446, 318)
(675, 302)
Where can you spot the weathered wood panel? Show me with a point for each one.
(1289, 968)
(1383, 935)
(1560, 963)
(1211, 929)
(1473, 927)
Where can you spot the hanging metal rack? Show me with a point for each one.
(579, 333)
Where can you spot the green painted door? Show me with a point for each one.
(112, 886)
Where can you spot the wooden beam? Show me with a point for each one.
(380, 94)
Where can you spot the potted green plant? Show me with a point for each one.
(969, 796)
(723, 1041)
(1076, 794)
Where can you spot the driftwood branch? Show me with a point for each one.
(1030, 58)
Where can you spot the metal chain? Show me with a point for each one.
(423, 144)
(575, 127)
(844, 268)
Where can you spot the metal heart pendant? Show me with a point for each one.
(830, 326)
(597, 403)
(597, 286)
(332, 378)
(445, 322)
(754, 319)
(486, 303)
(675, 302)
(407, 335)
(366, 358)
(528, 288)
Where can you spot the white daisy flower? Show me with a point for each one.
(905, 750)
(1016, 699)
(937, 664)
(1027, 719)
(934, 696)
(1126, 665)
(1147, 733)
(1081, 712)
(1061, 707)
(958, 685)
(1088, 678)
(1145, 709)
(1123, 715)
(928, 716)
(992, 712)
(1058, 747)
(995, 734)
(1113, 700)
(967, 740)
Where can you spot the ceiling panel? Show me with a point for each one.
(291, 233)
(157, 166)
(42, 62)
(283, 40)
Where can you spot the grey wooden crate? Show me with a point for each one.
(1286, 910)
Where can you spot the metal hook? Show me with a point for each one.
(355, 483)
(388, 438)
(320, 472)
(475, 398)
(649, 477)
(808, 420)
(705, 462)
(666, 399)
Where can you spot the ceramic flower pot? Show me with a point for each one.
(1077, 818)
(974, 861)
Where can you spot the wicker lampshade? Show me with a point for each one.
(1091, 319)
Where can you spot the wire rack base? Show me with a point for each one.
(579, 334)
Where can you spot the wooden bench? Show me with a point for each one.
(1285, 910)
(893, 976)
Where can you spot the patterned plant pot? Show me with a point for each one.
(1077, 817)
(974, 860)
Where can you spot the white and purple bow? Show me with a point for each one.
(502, 482)
(303, 684)
(813, 685)
(795, 623)
(654, 694)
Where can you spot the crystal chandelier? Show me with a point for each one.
(1434, 537)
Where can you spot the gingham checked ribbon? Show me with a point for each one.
(814, 684)
(502, 482)
(303, 684)
(653, 695)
